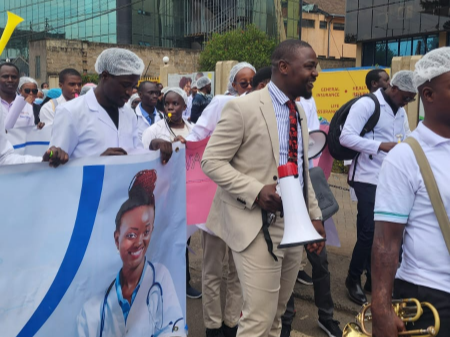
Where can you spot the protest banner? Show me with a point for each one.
(200, 190)
(180, 80)
(73, 235)
(30, 140)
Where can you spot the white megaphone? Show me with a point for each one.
(317, 142)
(298, 228)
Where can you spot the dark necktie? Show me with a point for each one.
(293, 133)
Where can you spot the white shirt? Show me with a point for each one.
(142, 123)
(210, 117)
(187, 112)
(7, 155)
(47, 112)
(83, 128)
(402, 198)
(20, 114)
(309, 106)
(161, 130)
(388, 126)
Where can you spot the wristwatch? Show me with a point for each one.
(318, 219)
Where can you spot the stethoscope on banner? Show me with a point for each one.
(154, 305)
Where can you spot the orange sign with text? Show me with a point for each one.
(334, 88)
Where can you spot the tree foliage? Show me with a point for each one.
(89, 78)
(250, 45)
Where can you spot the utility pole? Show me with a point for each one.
(300, 20)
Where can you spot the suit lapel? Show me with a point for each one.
(266, 107)
(305, 143)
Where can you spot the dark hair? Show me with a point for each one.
(9, 64)
(373, 75)
(140, 193)
(262, 75)
(68, 72)
(184, 81)
(42, 85)
(143, 83)
(286, 49)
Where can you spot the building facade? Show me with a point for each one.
(149, 23)
(383, 29)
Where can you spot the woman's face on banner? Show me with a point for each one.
(134, 235)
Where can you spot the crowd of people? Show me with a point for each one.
(259, 124)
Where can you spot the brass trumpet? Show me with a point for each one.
(13, 21)
(404, 310)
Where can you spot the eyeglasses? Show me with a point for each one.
(34, 91)
(244, 85)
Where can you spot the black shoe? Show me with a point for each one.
(285, 330)
(214, 333)
(331, 327)
(368, 285)
(355, 291)
(229, 332)
(192, 293)
(304, 278)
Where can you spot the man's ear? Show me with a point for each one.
(283, 67)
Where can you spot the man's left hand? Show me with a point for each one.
(317, 246)
(55, 156)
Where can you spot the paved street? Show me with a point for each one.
(305, 323)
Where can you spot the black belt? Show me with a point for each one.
(265, 229)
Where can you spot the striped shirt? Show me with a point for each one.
(279, 100)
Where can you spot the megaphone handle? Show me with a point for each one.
(265, 228)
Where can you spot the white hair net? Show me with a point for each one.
(178, 91)
(431, 65)
(119, 62)
(25, 79)
(194, 85)
(237, 68)
(231, 90)
(404, 81)
(86, 88)
(133, 98)
(203, 82)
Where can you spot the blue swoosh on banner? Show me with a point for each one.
(91, 192)
(19, 146)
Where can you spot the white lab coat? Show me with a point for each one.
(47, 112)
(7, 155)
(20, 114)
(141, 318)
(83, 128)
(143, 123)
(210, 117)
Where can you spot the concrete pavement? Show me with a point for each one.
(305, 323)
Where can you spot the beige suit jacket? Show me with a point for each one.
(241, 157)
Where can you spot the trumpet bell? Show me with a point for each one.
(352, 330)
(13, 21)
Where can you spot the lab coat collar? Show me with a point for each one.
(429, 137)
(95, 107)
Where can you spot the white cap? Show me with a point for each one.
(431, 65)
(86, 88)
(119, 62)
(404, 81)
(25, 79)
(233, 72)
(203, 82)
(178, 91)
(133, 97)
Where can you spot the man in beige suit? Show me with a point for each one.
(249, 143)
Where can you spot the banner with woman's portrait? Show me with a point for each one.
(94, 248)
(184, 81)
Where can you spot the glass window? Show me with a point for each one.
(432, 42)
(392, 51)
(308, 23)
(351, 27)
(323, 25)
(37, 72)
(419, 44)
(338, 26)
(380, 22)
(405, 47)
(380, 53)
(365, 4)
(351, 5)
(379, 2)
(395, 17)
(365, 24)
(368, 56)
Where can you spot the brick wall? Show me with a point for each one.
(81, 55)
